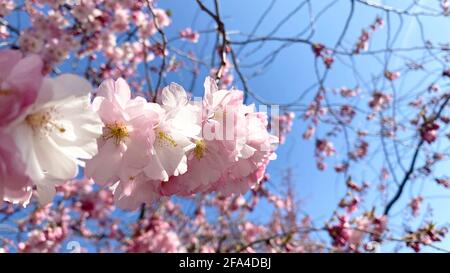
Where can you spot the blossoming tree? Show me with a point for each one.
(99, 151)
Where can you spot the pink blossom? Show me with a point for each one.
(248, 172)
(161, 20)
(428, 131)
(328, 61)
(121, 19)
(318, 49)
(355, 187)
(39, 241)
(20, 80)
(363, 42)
(253, 146)
(324, 147)
(130, 194)
(4, 33)
(351, 205)
(30, 42)
(231, 154)
(340, 232)
(6, 6)
(391, 75)
(425, 235)
(379, 101)
(143, 143)
(363, 39)
(251, 232)
(434, 88)
(384, 175)
(362, 226)
(189, 35)
(224, 119)
(445, 6)
(315, 109)
(443, 181)
(347, 92)
(15, 185)
(360, 151)
(177, 126)
(347, 112)
(310, 131)
(233, 150)
(128, 136)
(158, 236)
(226, 78)
(339, 168)
(415, 205)
(206, 162)
(321, 51)
(282, 125)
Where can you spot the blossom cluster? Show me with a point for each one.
(93, 29)
(363, 39)
(176, 146)
(49, 127)
(321, 51)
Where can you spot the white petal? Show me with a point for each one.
(101, 167)
(155, 171)
(23, 136)
(54, 161)
(174, 96)
(123, 91)
(173, 160)
(210, 86)
(67, 85)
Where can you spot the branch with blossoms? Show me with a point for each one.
(85, 85)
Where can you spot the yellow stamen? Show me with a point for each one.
(118, 131)
(42, 120)
(164, 137)
(199, 150)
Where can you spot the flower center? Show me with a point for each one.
(118, 131)
(43, 121)
(199, 150)
(164, 138)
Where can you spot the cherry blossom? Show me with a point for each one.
(428, 131)
(391, 75)
(20, 81)
(174, 133)
(415, 205)
(6, 7)
(59, 126)
(189, 35)
(233, 150)
(282, 125)
(379, 101)
(128, 128)
(15, 185)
